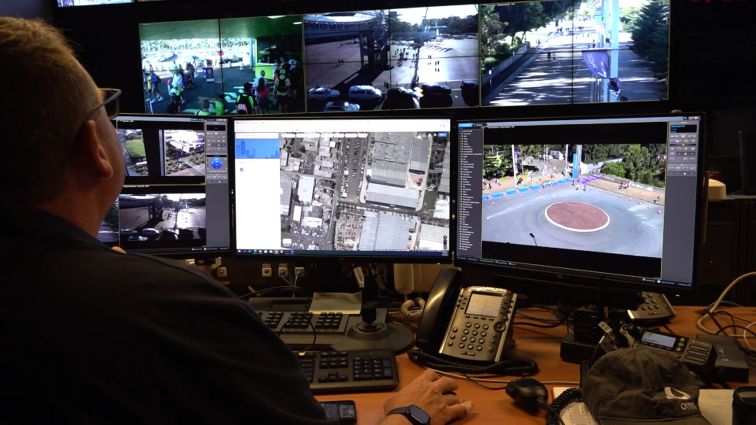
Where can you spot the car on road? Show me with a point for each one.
(184, 59)
(323, 94)
(149, 232)
(435, 96)
(131, 235)
(231, 59)
(401, 98)
(470, 92)
(341, 106)
(364, 93)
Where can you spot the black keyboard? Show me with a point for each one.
(304, 322)
(349, 371)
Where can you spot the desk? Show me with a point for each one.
(541, 345)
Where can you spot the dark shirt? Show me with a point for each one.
(92, 336)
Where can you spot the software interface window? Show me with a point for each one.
(356, 187)
(615, 195)
(175, 197)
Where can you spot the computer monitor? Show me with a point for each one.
(599, 202)
(175, 199)
(339, 187)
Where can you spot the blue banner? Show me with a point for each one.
(597, 61)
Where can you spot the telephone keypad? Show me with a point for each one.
(481, 333)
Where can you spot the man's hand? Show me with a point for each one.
(432, 393)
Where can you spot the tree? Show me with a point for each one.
(396, 25)
(520, 17)
(492, 42)
(637, 161)
(651, 35)
(614, 169)
(497, 161)
(460, 25)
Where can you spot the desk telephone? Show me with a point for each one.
(467, 328)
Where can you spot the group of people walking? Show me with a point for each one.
(258, 96)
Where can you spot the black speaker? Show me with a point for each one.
(747, 142)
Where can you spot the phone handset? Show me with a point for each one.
(441, 298)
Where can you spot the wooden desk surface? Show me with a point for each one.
(541, 345)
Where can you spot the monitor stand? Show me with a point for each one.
(371, 335)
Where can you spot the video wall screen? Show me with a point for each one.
(392, 59)
(571, 51)
(201, 67)
(72, 3)
(546, 52)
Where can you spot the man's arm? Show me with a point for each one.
(432, 393)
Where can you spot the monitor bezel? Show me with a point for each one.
(561, 284)
(357, 256)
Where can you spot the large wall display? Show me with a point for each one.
(568, 51)
(459, 56)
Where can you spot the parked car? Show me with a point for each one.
(341, 106)
(323, 94)
(435, 96)
(230, 59)
(149, 232)
(131, 235)
(364, 95)
(401, 98)
(470, 92)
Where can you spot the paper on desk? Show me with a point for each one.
(336, 302)
(716, 407)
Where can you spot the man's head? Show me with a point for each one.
(56, 136)
(247, 87)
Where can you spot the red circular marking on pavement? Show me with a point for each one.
(577, 216)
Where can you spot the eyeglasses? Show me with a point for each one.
(111, 103)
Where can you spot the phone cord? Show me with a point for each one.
(517, 367)
(568, 396)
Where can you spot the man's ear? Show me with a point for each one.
(91, 152)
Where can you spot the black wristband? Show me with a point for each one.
(414, 414)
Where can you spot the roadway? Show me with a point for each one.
(635, 227)
(558, 74)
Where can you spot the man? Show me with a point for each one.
(220, 104)
(205, 109)
(282, 85)
(91, 335)
(245, 101)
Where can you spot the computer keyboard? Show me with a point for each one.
(349, 371)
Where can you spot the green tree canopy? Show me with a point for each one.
(650, 31)
(614, 169)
